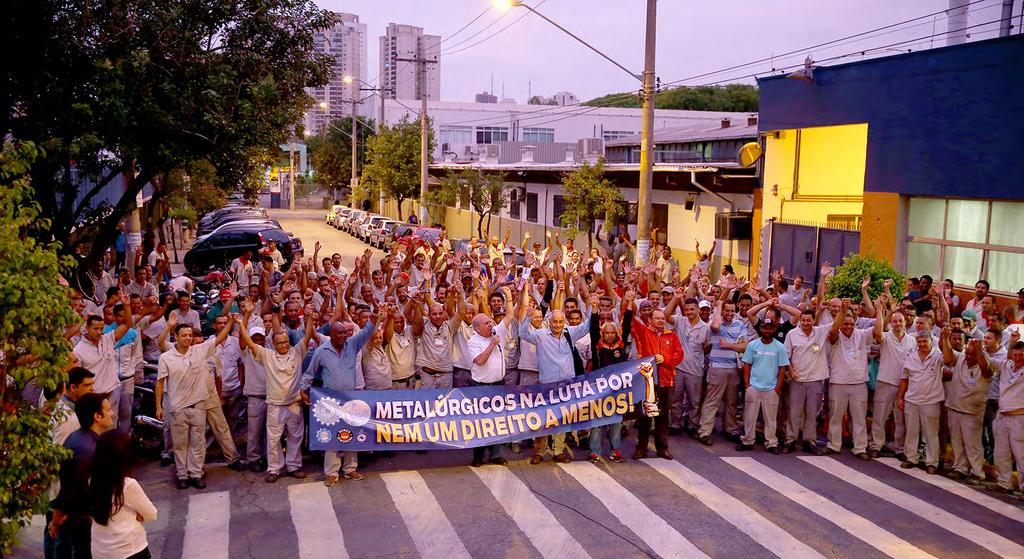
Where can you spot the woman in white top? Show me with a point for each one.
(117, 503)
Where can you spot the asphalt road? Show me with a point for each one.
(707, 502)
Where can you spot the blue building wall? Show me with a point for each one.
(942, 122)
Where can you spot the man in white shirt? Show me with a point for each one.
(242, 270)
(1009, 427)
(182, 369)
(848, 384)
(159, 253)
(284, 411)
(225, 368)
(808, 371)
(96, 352)
(969, 374)
(255, 391)
(920, 398)
(185, 314)
(894, 345)
(695, 337)
(487, 369)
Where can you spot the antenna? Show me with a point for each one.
(529, 91)
(492, 83)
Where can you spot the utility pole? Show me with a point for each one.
(355, 140)
(291, 174)
(643, 222)
(424, 129)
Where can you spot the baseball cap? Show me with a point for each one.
(969, 315)
(668, 289)
(225, 293)
(767, 320)
(257, 330)
(705, 304)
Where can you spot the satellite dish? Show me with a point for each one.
(749, 154)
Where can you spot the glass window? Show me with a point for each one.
(539, 135)
(962, 265)
(558, 208)
(926, 217)
(967, 220)
(531, 207)
(1006, 230)
(1005, 270)
(616, 134)
(457, 135)
(922, 258)
(491, 134)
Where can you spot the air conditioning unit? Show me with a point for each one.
(492, 151)
(734, 225)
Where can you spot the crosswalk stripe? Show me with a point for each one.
(429, 527)
(960, 490)
(206, 526)
(856, 525)
(534, 519)
(655, 532)
(316, 523)
(967, 530)
(736, 512)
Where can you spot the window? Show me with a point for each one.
(514, 203)
(966, 240)
(557, 209)
(616, 134)
(539, 135)
(531, 207)
(659, 219)
(491, 134)
(457, 135)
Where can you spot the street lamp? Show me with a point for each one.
(643, 244)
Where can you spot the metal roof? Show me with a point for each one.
(696, 133)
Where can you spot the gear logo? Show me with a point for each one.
(323, 436)
(355, 412)
(344, 436)
(327, 411)
(361, 437)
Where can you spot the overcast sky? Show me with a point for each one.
(693, 38)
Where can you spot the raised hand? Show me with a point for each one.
(316, 246)
(888, 282)
(827, 269)
(866, 283)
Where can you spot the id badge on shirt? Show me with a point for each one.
(402, 343)
(815, 348)
(440, 342)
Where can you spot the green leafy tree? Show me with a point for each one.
(588, 197)
(393, 163)
(485, 193)
(35, 310)
(140, 88)
(846, 282)
(730, 98)
(330, 153)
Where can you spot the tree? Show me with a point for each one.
(140, 88)
(588, 197)
(393, 163)
(846, 282)
(330, 153)
(35, 310)
(729, 98)
(485, 193)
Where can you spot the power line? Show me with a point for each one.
(461, 29)
(492, 35)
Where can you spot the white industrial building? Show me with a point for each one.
(463, 130)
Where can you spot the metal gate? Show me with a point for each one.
(801, 249)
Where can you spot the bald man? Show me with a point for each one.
(554, 359)
(488, 369)
(434, 347)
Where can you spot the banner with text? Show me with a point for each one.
(474, 416)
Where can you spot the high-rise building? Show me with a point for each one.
(401, 79)
(345, 42)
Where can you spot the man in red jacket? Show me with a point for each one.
(652, 339)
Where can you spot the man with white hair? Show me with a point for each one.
(488, 369)
(920, 399)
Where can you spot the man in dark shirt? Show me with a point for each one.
(71, 526)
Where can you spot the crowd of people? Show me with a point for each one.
(915, 365)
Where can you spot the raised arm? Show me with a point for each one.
(833, 333)
(865, 298)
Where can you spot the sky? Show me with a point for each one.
(693, 38)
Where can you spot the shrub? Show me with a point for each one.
(848, 277)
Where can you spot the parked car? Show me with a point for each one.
(240, 225)
(401, 231)
(216, 251)
(353, 217)
(225, 217)
(381, 233)
(354, 225)
(369, 225)
(340, 216)
(329, 217)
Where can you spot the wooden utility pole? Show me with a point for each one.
(421, 61)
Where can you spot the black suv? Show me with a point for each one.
(218, 249)
(216, 218)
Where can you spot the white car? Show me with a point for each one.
(381, 233)
(348, 224)
(340, 217)
(368, 225)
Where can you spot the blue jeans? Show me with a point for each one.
(614, 433)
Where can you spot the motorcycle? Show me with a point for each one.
(147, 430)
